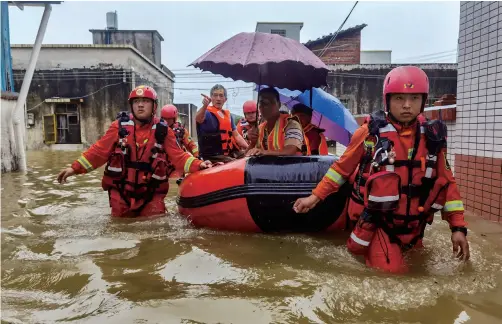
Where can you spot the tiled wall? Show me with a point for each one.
(478, 129)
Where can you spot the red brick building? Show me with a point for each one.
(346, 49)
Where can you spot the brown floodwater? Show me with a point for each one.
(65, 260)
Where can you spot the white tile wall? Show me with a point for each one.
(479, 88)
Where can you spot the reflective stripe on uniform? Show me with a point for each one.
(410, 153)
(276, 131)
(383, 198)
(454, 205)
(388, 128)
(335, 177)
(188, 164)
(114, 169)
(358, 240)
(158, 177)
(127, 123)
(85, 163)
(369, 143)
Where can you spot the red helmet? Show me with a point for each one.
(169, 111)
(405, 79)
(249, 106)
(143, 92)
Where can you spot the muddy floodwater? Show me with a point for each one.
(65, 260)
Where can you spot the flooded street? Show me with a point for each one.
(64, 259)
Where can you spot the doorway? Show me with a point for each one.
(68, 123)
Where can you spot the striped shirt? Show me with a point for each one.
(293, 134)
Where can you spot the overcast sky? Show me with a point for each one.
(416, 32)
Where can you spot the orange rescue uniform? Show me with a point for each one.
(381, 252)
(99, 153)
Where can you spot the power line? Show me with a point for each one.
(206, 89)
(426, 55)
(334, 36)
(68, 77)
(85, 96)
(378, 76)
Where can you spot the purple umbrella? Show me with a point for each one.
(264, 58)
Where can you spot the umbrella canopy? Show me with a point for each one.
(264, 58)
(329, 113)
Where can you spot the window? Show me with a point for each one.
(66, 108)
(49, 128)
(281, 32)
(72, 120)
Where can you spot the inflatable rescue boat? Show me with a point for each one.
(257, 194)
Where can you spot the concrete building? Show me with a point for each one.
(356, 76)
(285, 29)
(478, 133)
(77, 90)
(376, 57)
(13, 150)
(148, 42)
(359, 87)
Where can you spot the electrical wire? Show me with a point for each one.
(340, 28)
(85, 96)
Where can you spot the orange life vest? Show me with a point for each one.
(399, 197)
(138, 178)
(221, 140)
(275, 140)
(323, 146)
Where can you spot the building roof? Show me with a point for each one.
(127, 31)
(326, 38)
(165, 71)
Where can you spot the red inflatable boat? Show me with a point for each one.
(257, 195)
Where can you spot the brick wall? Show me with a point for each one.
(478, 133)
(344, 50)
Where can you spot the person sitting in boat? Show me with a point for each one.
(279, 134)
(216, 128)
(170, 114)
(141, 152)
(314, 140)
(247, 127)
(398, 167)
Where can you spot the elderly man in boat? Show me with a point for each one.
(216, 129)
(279, 134)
